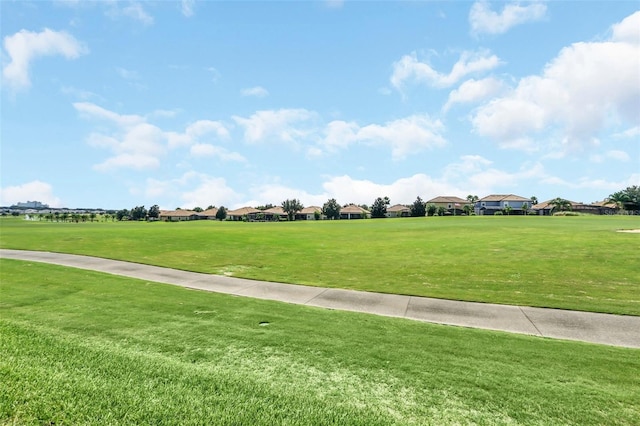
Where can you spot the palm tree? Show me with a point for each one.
(560, 204)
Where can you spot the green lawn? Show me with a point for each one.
(80, 347)
(577, 263)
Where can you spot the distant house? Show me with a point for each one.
(491, 204)
(354, 212)
(454, 205)
(248, 213)
(603, 207)
(273, 214)
(399, 210)
(209, 214)
(309, 213)
(606, 207)
(177, 215)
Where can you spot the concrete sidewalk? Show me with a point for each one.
(616, 330)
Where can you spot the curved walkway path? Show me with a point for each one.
(616, 330)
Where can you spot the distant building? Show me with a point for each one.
(31, 205)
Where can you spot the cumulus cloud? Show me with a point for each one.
(404, 136)
(25, 46)
(192, 189)
(484, 20)
(579, 91)
(409, 69)
(31, 191)
(474, 91)
(285, 125)
(137, 144)
(257, 91)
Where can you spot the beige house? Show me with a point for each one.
(243, 212)
(453, 205)
(399, 210)
(209, 214)
(273, 214)
(354, 212)
(309, 213)
(177, 215)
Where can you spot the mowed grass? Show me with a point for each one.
(578, 263)
(81, 347)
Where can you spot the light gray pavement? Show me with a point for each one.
(616, 330)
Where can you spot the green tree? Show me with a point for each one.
(122, 214)
(431, 209)
(197, 209)
(441, 211)
(560, 204)
(92, 216)
(418, 208)
(472, 198)
(221, 214)
(534, 200)
(467, 209)
(627, 199)
(379, 207)
(154, 212)
(331, 209)
(508, 210)
(291, 207)
(138, 213)
(211, 206)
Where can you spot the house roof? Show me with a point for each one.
(398, 208)
(503, 197)
(310, 210)
(448, 199)
(177, 213)
(209, 212)
(352, 208)
(275, 210)
(243, 211)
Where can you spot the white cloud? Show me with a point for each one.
(628, 30)
(284, 125)
(410, 69)
(257, 91)
(186, 7)
(580, 92)
(192, 189)
(485, 20)
(25, 46)
(208, 150)
(404, 136)
(137, 144)
(136, 12)
(474, 91)
(31, 191)
(345, 189)
(592, 184)
(632, 132)
(615, 155)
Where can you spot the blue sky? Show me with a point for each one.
(192, 103)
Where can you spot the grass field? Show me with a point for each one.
(577, 263)
(80, 347)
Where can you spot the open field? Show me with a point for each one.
(81, 347)
(577, 263)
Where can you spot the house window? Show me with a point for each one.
(506, 204)
(449, 205)
(483, 204)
